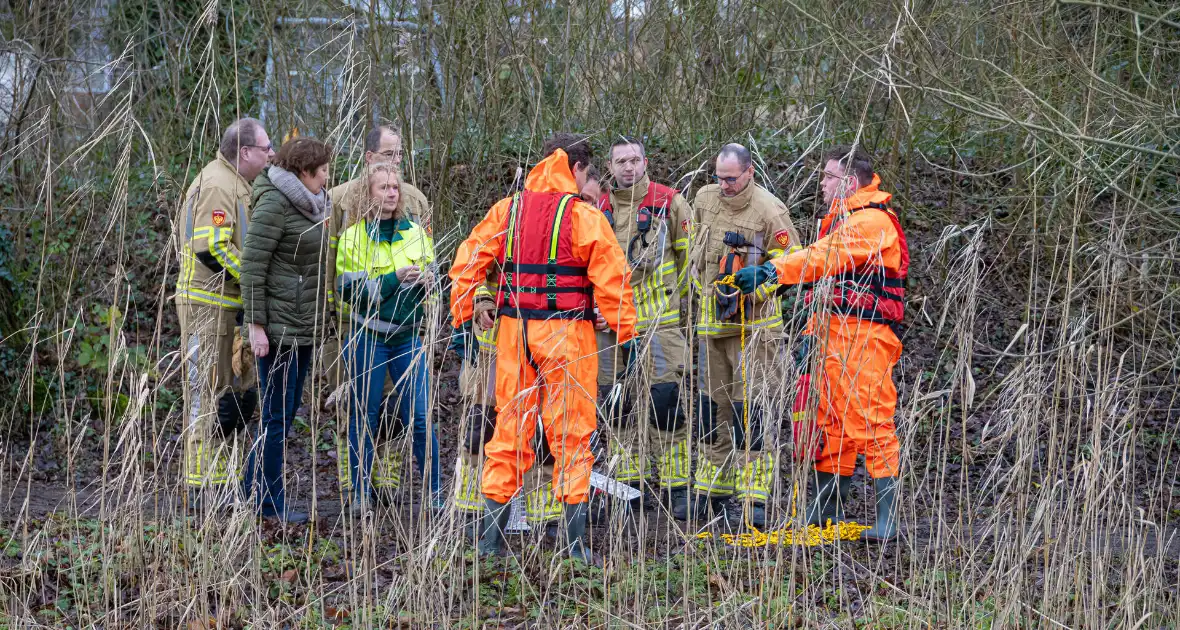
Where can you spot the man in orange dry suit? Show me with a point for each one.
(558, 257)
(859, 265)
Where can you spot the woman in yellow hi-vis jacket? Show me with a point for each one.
(384, 272)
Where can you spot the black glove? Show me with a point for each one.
(728, 300)
(735, 239)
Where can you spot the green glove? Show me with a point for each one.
(750, 278)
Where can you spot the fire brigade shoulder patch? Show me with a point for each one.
(782, 237)
(685, 226)
(219, 217)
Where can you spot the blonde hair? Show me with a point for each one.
(370, 173)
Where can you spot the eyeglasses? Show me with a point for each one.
(728, 180)
(269, 146)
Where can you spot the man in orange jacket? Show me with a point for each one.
(859, 265)
(557, 257)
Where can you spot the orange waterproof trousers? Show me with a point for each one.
(857, 397)
(547, 367)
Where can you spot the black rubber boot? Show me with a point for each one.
(829, 493)
(885, 529)
(575, 529)
(706, 507)
(495, 521)
(678, 502)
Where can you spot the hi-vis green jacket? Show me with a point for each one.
(210, 226)
(367, 261)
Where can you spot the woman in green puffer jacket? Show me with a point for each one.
(283, 261)
(385, 273)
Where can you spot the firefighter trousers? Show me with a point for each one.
(207, 335)
(734, 415)
(651, 419)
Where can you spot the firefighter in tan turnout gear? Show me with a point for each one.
(220, 394)
(382, 145)
(650, 415)
(738, 223)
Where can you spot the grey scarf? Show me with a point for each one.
(315, 207)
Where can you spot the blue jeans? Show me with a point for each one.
(408, 366)
(280, 378)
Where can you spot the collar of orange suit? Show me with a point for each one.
(552, 174)
(861, 198)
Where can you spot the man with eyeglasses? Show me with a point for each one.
(858, 269)
(219, 391)
(651, 222)
(382, 145)
(739, 223)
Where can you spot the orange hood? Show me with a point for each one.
(861, 198)
(552, 174)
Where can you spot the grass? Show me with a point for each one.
(1032, 150)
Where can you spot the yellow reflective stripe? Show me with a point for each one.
(219, 464)
(670, 317)
(343, 466)
(468, 497)
(714, 327)
(387, 470)
(652, 300)
(207, 297)
(484, 291)
(512, 208)
(556, 235)
(755, 477)
(186, 268)
(542, 505)
(487, 338)
(674, 466)
(680, 244)
(711, 479)
(217, 241)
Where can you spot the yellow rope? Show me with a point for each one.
(811, 536)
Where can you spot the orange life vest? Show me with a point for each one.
(871, 292)
(540, 278)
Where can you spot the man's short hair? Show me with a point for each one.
(738, 152)
(575, 145)
(242, 133)
(855, 161)
(623, 141)
(592, 173)
(303, 155)
(373, 138)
